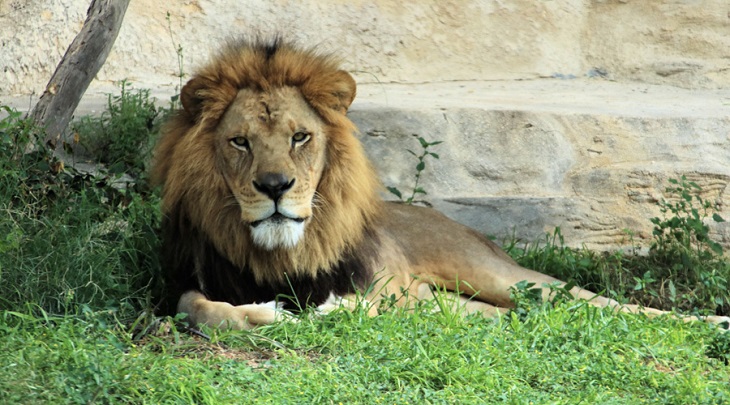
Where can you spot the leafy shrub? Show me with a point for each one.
(683, 235)
(69, 238)
(719, 347)
(683, 270)
(122, 136)
(420, 167)
(682, 249)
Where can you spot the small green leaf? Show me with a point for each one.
(423, 142)
(717, 218)
(117, 168)
(421, 165)
(716, 247)
(395, 192)
(434, 155)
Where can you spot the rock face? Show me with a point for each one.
(591, 156)
(683, 43)
(567, 113)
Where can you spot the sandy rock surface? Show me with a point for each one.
(590, 156)
(683, 43)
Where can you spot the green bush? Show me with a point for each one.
(122, 137)
(69, 238)
(684, 269)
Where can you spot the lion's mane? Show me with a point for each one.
(206, 245)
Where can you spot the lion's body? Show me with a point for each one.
(268, 196)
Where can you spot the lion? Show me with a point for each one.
(269, 202)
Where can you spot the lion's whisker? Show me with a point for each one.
(231, 201)
(319, 202)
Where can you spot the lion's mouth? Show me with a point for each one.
(277, 231)
(276, 218)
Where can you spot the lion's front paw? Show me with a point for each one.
(252, 315)
(333, 302)
(201, 310)
(350, 303)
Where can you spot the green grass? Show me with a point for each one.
(567, 354)
(80, 276)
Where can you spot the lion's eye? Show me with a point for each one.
(240, 142)
(299, 138)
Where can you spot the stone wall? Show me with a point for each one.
(684, 43)
(592, 157)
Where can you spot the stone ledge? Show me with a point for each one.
(576, 96)
(570, 96)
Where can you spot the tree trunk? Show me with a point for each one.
(82, 61)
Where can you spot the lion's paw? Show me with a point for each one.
(252, 315)
(334, 302)
(331, 303)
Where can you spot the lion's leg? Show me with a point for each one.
(492, 282)
(498, 283)
(350, 302)
(601, 301)
(652, 312)
(494, 285)
(201, 310)
(458, 303)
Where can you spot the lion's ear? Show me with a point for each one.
(190, 97)
(345, 90)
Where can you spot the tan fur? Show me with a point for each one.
(264, 97)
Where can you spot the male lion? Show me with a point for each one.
(268, 195)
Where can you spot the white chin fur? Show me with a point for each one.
(277, 234)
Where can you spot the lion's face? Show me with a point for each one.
(271, 152)
(262, 165)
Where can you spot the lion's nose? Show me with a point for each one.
(274, 185)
